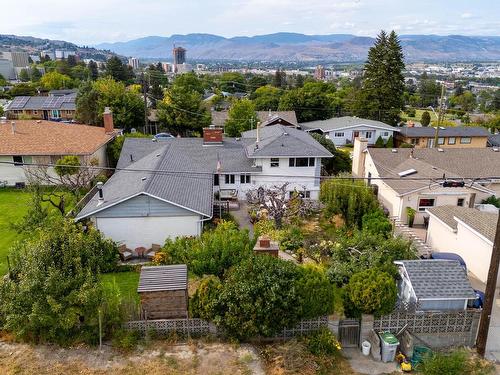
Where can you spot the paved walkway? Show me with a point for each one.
(366, 365)
(241, 216)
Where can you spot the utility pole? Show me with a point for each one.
(489, 295)
(144, 92)
(440, 117)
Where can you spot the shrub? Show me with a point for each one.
(425, 120)
(212, 253)
(125, 339)
(377, 223)
(322, 343)
(292, 240)
(405, 145)
(410, 111)
(372, 291)
(350, 198)
(457, 362)
(379, 142)
(203, 304)
(492, 200)
(390, 142)
(316, 293)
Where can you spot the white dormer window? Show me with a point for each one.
(275, 162)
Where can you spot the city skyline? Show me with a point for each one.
(93, 22)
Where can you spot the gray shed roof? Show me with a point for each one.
(219, 117)
(162, 278)
(483, 222)
(279, 140)
(438, 279)
(431, 163)
(338, 123)
(450, 131)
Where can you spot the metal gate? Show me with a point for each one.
(349, 333)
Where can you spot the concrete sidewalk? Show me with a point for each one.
(241, 216)
(366, 365)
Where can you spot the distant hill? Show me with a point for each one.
(301, 47)
(36, 45)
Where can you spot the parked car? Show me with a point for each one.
(163, 136)
(450, 256)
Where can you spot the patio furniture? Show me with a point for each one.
(152, 252)
(228, 194)
(140, 251)
(125, 254)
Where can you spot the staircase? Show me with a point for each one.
(424, 250)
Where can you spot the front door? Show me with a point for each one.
(430, 143)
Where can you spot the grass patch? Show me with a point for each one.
(13, 206)
(127, 282)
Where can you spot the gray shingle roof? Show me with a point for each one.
(220, 117)
(186, 177)
(279, 140)
(337, 123)
(430, 163)
(66, 102)
(161, 278)
(482, 222)
(450, 131)
(438, 279)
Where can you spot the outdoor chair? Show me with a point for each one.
(125, 254)
(152, 252)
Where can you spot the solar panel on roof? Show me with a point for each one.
(19, 102)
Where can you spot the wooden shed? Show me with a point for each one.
(164, 291)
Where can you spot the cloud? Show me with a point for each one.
(466, 15)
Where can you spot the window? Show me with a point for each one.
(216, 180)
(368, 134)
(440, 141)
(452, 140)
(18, 160)
(465, 140)
(424, 203)
(55, 113)
(460, 202)
(275, 162)
(301, 162)
(385, 134)
(414, 141)
(229, 178)
(339, 134)
(244, 179)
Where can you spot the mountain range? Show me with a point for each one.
(301, 47)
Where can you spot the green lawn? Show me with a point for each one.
(127, 282)
(418, 115)
(13, 206)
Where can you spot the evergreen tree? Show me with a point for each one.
(94, 70)
(379, 142)
(426, 119)
(116, 69)
(383, 81)
(279, 80)
(390, 142)
(35, 74)
(24, 76)
(241, 117)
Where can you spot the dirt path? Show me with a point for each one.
(158, 358)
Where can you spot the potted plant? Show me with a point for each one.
(410, 214)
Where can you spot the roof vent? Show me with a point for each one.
(99, 190)
(394, 150)
(38, 121)
(408, 172)
(143, 178)
(495, 149)
(285, 133)
(440, 150)
(131, 157)
(158, 155)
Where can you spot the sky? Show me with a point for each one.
(95, 21)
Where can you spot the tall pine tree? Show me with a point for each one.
(383, 81)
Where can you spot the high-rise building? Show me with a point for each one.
(166, 67)
(319, 72)
(133, 62)
(179, 55)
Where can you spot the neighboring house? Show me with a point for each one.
(465, 231)
(266, 118)
(414, 177)
(60, 105)
(434, 285)
(141, 208)
(448, 137)
(344, 130)
(44, 142)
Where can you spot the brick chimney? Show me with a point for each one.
(107, 116)
(212, 136)
(264, 245)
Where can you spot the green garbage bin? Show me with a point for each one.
(389, 346)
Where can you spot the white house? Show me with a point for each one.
(165, 189)
(465, 231)
(425, 178)
(44, 142)
(344, 130)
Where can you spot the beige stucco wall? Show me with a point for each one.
(473, 248)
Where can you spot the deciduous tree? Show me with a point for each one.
(241, 117)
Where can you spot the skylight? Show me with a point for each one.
(408, 172)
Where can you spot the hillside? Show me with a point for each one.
(36, 45)
(300, 47)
